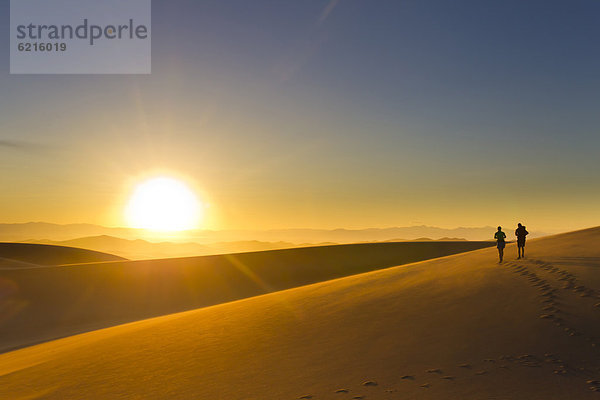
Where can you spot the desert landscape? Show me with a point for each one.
(299, 200)
(461, 326)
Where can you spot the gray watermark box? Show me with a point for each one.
(80, 36)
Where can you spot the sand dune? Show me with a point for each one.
(46, 303)
(26, 254)
(459, 327)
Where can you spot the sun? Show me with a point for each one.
(163, 204)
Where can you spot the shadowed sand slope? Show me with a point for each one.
(14, 255)
(38, 304)
(460, 327)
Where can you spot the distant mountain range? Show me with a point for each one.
(135, 244)
(139, 249)
(55, 232)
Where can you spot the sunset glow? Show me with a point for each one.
(163, 204)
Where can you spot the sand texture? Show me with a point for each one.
(458, 327)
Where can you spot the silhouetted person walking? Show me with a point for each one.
(500, 236)
(520, 233)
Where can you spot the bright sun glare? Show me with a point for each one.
(163, 204)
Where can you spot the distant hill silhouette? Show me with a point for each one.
(139, 249)
(41, 254)
(444, 239)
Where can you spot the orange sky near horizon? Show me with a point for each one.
(306, 200)
(294, 115)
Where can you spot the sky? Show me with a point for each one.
(324, 114)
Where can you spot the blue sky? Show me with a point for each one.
(326, 114)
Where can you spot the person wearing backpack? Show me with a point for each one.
(520, 233)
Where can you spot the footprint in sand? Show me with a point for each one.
(464, 365)
(425, 385)
(369, 383)
(449, 378)
(411, 377)
(552, 360)
(525, 356)
(560, 371)
(482, 372)
(434, 371)
(306, 397)
(532, 364)
(342, 391)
